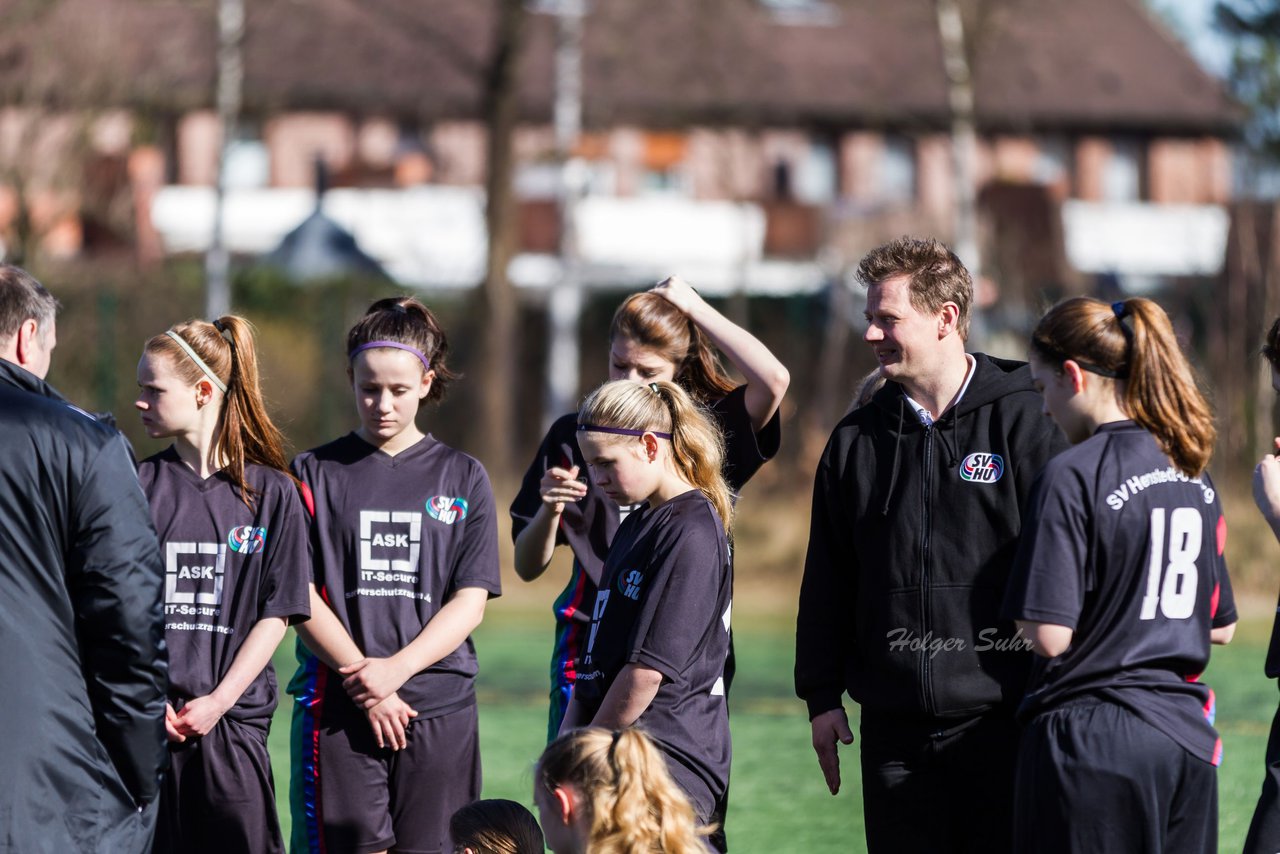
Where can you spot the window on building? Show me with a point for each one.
(802, 13)
(248, 164)
(815, 179)
(1053, 161)
(897, 178)
(1122, 176)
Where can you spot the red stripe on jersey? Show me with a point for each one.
(322, 672)
(1217, 753)
(1222, 535)
(1213, 600)
(308, 498)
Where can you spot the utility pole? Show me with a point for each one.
(217, 265)
(564, 303)
(964, 136)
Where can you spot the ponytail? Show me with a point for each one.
(1133, 342)
(634, 805)
(652, 322)
(697, 445)
(224, 353)
(406, 322)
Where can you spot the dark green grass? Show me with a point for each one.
(779, 802)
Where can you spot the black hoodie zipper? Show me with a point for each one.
(926, 688)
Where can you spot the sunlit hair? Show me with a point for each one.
(405, 320)
(934, 274)
(650, 321)
(1161, 391)
(245, 433)
(496, 826)
(22, 298)
(697, 445)
(633, 804)
(1271, 349)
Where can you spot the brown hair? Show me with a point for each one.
(405, 320)
(934, 274)
(245, 432)
(496, 826)
(652, 322)
(1271, 349)
(633, 804)
(697, 445)
(1133, 341)
(22, 298)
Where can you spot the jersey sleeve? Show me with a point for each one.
(114, 577)
(1048, 581)
(745, 449)
(686, 573)
(1224, 599)
(286, 570)
(824, 625)
(476, 561)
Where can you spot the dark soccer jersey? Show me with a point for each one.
(665, 605)
(1125, 550)
(226, 567)
(394, 538)
(588, 526)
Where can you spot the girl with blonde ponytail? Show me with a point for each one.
(659, 634)
(1120, 586)
(604, 791)
(233, 532)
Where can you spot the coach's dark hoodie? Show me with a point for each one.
(912, 536)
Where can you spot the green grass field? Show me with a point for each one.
(779, 802)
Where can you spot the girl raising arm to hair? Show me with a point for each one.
(668, 333)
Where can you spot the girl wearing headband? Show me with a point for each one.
(1120, 586)
(234, 536)
(659, 634)
(668, 333)
(602, 790)
(385, 742)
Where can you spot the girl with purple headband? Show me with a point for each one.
(385, 739)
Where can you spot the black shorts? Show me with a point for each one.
(936, 786)
(1094, 777)
(218, 794)
(372, 798)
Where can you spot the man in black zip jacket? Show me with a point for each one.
(916, 515)
(82, 742)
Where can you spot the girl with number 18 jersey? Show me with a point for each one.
(1121, 586)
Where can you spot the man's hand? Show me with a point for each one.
(828, 728)
(1266, 488)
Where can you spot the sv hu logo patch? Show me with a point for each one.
(442, 508)
(982, 468)
(247, 540)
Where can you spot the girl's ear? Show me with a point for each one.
(1075, 374)
(428, 377)
(204, 392)
(650, 446)
(566, 804)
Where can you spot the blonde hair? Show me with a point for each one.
(697, 445)
(245, 432)
(633, 804)
(1133, 341)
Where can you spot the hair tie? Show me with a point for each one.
(620, 431)
(1121, 309)
(394, 345)
(200, 363)
(653, 387)
(225, 332)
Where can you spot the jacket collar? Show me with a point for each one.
(12, 374)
